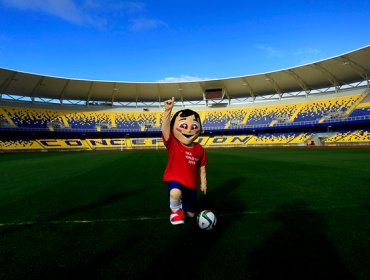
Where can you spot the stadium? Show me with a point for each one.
(320, 104)
(288, 176)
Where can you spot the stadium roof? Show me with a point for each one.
(341, 70)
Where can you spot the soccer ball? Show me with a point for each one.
(206, 220)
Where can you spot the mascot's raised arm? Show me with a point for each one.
(186, 161)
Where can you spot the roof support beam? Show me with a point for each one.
(228, 97)
(249, 88)
(331, 78)
(61, 96)
(225, 92)
(115, 89)
(136, 96)
(7, 82)
(201, 85)
(274, 84)
(89, 93)
(35, 89)
(159, 93)
(355, 66)
(299, 80)
(180, 89)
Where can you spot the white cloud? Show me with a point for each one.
(141, 24)
(304, 55)
(109, 6)
(183, 78)
(101, 14)
(308, 55)
(64, 9)
(131, 7)
(270, 51)
(307, 51)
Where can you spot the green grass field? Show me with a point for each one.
(282, 214)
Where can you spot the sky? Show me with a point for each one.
(170, 41)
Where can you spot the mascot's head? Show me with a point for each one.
(186, 126)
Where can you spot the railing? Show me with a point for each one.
(206, 128)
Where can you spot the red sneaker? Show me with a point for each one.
(178, 217)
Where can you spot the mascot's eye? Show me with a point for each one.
(194, 126)
(183, 125)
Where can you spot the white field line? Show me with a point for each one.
(124, 220)
(121, 220)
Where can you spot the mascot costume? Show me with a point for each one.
(186, 161)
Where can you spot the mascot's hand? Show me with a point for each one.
(203, 188)
(168, 104)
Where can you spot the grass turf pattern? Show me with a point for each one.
(290, 213)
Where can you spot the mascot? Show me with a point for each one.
(186, 161)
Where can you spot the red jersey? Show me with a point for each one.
(183, 162)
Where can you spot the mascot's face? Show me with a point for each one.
(186, 129)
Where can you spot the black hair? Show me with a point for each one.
(185, 113)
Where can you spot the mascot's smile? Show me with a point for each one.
(187, 135)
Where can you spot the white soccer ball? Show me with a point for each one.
(206, 220)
